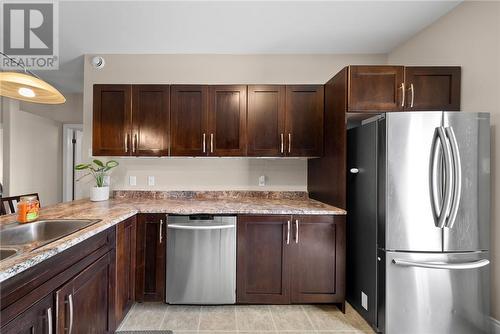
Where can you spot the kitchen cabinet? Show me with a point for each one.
(376, 88)
(38, 319)
(262, 268)
(432, 88)
(150, 258)
(266, 120)
(291, 259)
(304, 120)
(82, 304)
(125, 267)
(131, 120)
(189, 115)
(318, 259)
(150, 120)
(227, 115)
(111, 120)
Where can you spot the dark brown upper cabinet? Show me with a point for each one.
(111, 120)
(304, 120)
(432, 88)
(227, 120)
(189, 116)
(376, 88)
(150, 120)
(131, 120)
(266, 120)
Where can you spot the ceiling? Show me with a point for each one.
(233, 27)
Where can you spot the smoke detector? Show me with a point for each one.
(98, 62)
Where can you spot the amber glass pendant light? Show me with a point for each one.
(27, 86)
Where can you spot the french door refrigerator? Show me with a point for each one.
(419, 222)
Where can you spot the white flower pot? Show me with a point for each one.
(98, 194)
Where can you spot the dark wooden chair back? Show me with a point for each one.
(9, 204)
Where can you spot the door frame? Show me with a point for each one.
(67, 159)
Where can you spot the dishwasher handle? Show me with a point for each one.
(198, 227)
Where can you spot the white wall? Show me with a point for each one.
(212, 173)
(32, 154)
(469, 36)
(69, 112)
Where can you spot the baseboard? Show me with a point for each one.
(495, 326)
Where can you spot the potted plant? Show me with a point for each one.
(98, 170)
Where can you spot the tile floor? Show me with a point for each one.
(248, 319)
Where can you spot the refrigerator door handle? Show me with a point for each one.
(437, 265)
(445, 208)
(435, 177)
(457, 177)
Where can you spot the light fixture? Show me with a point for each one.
(28, 87)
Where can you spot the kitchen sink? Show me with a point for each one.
(6, 252)
(41, 232)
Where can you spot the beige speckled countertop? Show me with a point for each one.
(127, 204)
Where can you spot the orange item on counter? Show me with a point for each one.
(28, 209)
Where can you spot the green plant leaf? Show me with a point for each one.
(111, 164)
(98, 163)
(82, 166)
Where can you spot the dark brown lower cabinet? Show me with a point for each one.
(150, 259)
(291, 259)
(262, 268)
(38, 319)
(82, 304)
(125, 267)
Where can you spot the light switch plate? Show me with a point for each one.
(132, 180)
(262, 181)
(151, 180)
(364, 300)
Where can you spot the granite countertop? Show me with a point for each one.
(126, 204)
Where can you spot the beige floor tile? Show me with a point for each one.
(329, 317)
(218, 318)
(254, 318)
(182, 317)
(145, 316)
(290, 318)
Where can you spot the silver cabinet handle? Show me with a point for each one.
(296, 231)
(70, 300)
(448, 178)
(403, 94)
(457, 177)
(204, 144)
(412, 90)
(126, 143)
(282, 146)
(211, 143)
(288, 233)
(437, 265)
(134, 144)
(49, 320)
(161, 230)
(289, 143)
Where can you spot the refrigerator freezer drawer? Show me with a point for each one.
(436, 293)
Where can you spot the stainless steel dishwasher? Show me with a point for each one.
(201, 259)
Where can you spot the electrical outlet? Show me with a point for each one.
(364, 300)
(151, 180)
(262, 181)
(132, 180)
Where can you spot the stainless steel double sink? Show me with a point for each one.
(15, 236)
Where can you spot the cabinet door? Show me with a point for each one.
(150, 263)
(318, 259)
(150, 120)
(304, 120)
(262, 274)
(125, 267)
(84, 304)
(227, 120)
(376, 88)
(266, 120)
(111, 120)
(189, 112)
(433, 88)
(38, 319)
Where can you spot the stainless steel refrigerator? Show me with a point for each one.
(419, 222)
